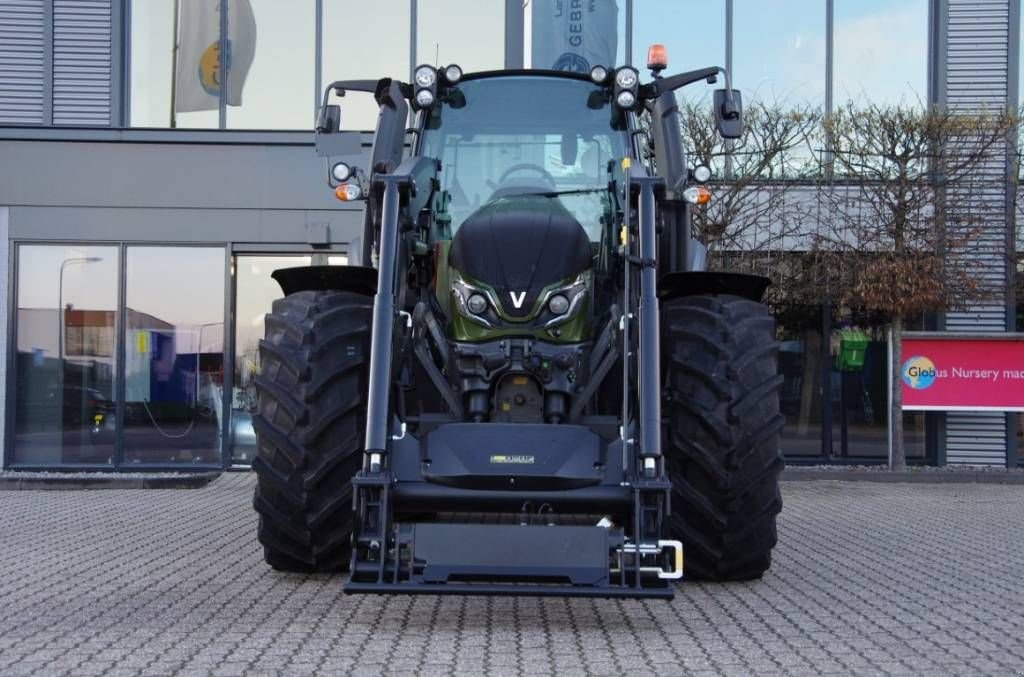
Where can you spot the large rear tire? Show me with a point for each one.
(309, 428)
(721, 387)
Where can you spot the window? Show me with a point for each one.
(881, 51)
(174, 355)
(779, 51)
(469, 33)
(856, 400)
(152, 69)
(499, 143)
(694, 37)
(275, 87)
(279, 89)
(365, 44)
(65, 355)
(566, 37)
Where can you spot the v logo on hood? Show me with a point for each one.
(517, 302)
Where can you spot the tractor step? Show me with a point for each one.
(439, 558)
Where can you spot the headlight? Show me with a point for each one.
(626, 78)
(558, 304)
(626, 99)
(426, 76)
(598, 74)
(341, 171)
(702, 173)
(452, 74)
(476, 304)
(424, 98)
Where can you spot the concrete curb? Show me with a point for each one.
(907, 476)
(107, 481)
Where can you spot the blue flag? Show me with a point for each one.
(574, 35)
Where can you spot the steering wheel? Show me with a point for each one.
(526, 166)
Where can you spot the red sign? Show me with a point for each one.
(963, 374)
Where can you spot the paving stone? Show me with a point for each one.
(867, 578)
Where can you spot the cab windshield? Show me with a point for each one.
(502, 137)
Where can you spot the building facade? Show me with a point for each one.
(138, 237)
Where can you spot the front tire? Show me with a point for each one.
(721, 385)
(309, 427)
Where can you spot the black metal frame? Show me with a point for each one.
(378, 563)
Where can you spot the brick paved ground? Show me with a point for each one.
(155, 582)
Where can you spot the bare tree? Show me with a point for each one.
(903, 214)
(756, 173)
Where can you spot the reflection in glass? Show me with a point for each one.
(469, 33)
(800, 397)
(279, 89)
(881, 51)
(174, 337)
(256, 292)
(365, 44)
(64, 358)
(859, 393)
(585, 22)
(152, 66)
(779, 51)
(695, 42)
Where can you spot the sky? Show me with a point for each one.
(778, 50)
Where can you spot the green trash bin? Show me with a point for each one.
(853, 344)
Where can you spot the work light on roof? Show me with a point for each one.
(452, 74)
(626, 78)
(598, 74)
(424, 98)
(426, 76)
(626, 99)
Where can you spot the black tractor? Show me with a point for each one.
(525, 383)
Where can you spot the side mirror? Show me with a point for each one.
(329, 120)
(330, 140)
(729, 113)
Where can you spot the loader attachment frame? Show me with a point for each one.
(463, 468)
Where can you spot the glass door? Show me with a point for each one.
(64, 355)
(174, 355)
(255, 293)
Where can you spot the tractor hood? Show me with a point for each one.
(518, 245)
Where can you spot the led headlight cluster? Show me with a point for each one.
(452, 74)
(627, 87)
(425, 83)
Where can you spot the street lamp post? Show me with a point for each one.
(60, 329)
(60, 303)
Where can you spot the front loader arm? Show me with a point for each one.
(400, 192)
